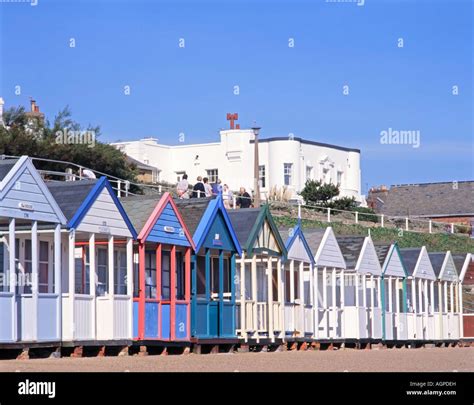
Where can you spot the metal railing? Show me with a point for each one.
(296, 209)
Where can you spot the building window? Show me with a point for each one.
(150, 274)
(165, 275)
(287, 169)
(339, 178)
(179, 175)
(102, 272)
(212, 175)
(261, 176)
(120, 268)
(43, 270)
(309, 172)
(27, 267)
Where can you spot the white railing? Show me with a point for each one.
(308, 211)
(262, 317)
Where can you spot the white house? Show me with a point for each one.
(284, 161)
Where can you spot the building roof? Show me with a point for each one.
(139, 165)
(5, 166)
(293, 236)
(139, 208)
(76, 197)
(429, 200)
(351, 247)
(382, 250)
(410, 258)
(459, 260)
(71, 194)
(248, 222)
(314, 237)
(192, 210)
(437, 260)
(307, 142)
(243, 221)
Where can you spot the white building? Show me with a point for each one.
(284, 162)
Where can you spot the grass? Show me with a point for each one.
(434, 242)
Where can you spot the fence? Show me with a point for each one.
(305, 211)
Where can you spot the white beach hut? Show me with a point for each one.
(393, 294)
(420, 273)
(30, 241)
(328, 284)
(363, 289)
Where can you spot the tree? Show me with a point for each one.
(317, 193)
(19, 137)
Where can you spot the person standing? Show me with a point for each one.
(244, 200)
(227, 196)
(182, 187)
(216, 187)
(198, 189)
(207, 187)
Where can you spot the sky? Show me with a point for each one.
(345, 73)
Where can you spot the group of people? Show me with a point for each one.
(203, 189)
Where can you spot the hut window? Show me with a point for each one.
(43, 282)
(261, 282)
(227, 288)
(180, 286)
(275, 284)
(165, 276)
(120, 269)
(150, 275)
(287, 285)
(136, 275)
(82, 272)
(201, 275)
(27, 268)
(102, 273)
(215, 275)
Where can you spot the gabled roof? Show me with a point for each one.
(75, 199)
(297, 234)
(417, 263)
(360, 254)
(247, 223)
(5, 166)
(199, 214)
(139, 208)
(192, 210)
(326, 250)
(21, 172)
(443, 266)
(71, 194)
(390, 259)
(462, 262)
(160, 206)
(351, 248)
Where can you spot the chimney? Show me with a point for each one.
(232, 118)
(34, 107)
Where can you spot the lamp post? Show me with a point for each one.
(256, 199)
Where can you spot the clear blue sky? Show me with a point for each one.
(286, 90)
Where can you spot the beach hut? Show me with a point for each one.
(363, 319)
(162, 297)
(97, 263)
(420, 271)
(259, 272)
(466, 323)
(393, 298)
(213, 298)
(298, 282)
(328, 284)
(444, 298)
(30, 248)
